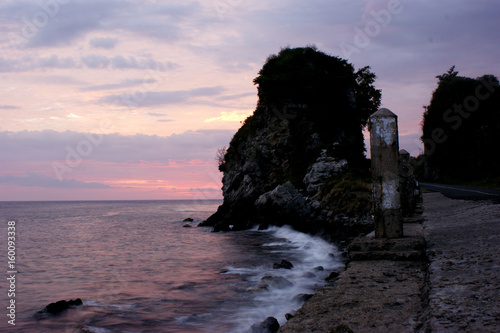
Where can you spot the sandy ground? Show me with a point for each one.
(456, 289)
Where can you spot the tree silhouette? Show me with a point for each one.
(461, 128)
(337, 100)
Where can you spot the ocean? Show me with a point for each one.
(138, 268)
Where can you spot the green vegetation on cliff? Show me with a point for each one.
(349, 194)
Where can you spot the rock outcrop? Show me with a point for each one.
(284, 204)
(269, 325)
(283, 264)
(304, 136)
(57, 308)
(324, 169)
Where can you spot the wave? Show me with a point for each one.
(277, 292)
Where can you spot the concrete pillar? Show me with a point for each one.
(385, 175)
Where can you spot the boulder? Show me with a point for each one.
(284, 204)
(269, 325)
(283, 264)
(277, 282)
(332, 276)
(308, 275)
(187, 225)
(188, 220)
(60, 306)
(324, 168)
(301, 298)
(262, 286)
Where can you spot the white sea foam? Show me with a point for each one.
(109, 306)
(309, 254)
(94, 329)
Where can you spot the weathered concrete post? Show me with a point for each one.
(385, 176)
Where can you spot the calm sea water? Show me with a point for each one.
(138, 269)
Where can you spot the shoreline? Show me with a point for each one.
(383, 290)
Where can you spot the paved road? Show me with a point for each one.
(463, 239)
(463, 192)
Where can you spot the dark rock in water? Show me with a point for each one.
(319, 268)
(284, 264)
(277, 282)
(288, 316)
(270, 325)
(333, 275)
(260, 288)
(188, 220)
(308, 275)
(60, 306)
(301, 298)
(187, 225)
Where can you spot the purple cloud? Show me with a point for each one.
(40, 180)
(103, 42)
(155, 98)
(48, 145)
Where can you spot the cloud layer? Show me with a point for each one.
(49, 145)
(40, 180)
(175, 79)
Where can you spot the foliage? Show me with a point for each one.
(349, 194)
(220, 157)
(367, 97)
(337, 100)
(448, 76)
(308, 76)
(461, 128)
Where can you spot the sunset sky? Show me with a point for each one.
(131, 99)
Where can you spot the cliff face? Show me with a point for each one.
(286, 161)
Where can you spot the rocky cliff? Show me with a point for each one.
(299, 159)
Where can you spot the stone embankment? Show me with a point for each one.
(449, 282)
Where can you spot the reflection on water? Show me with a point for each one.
(137, 269)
